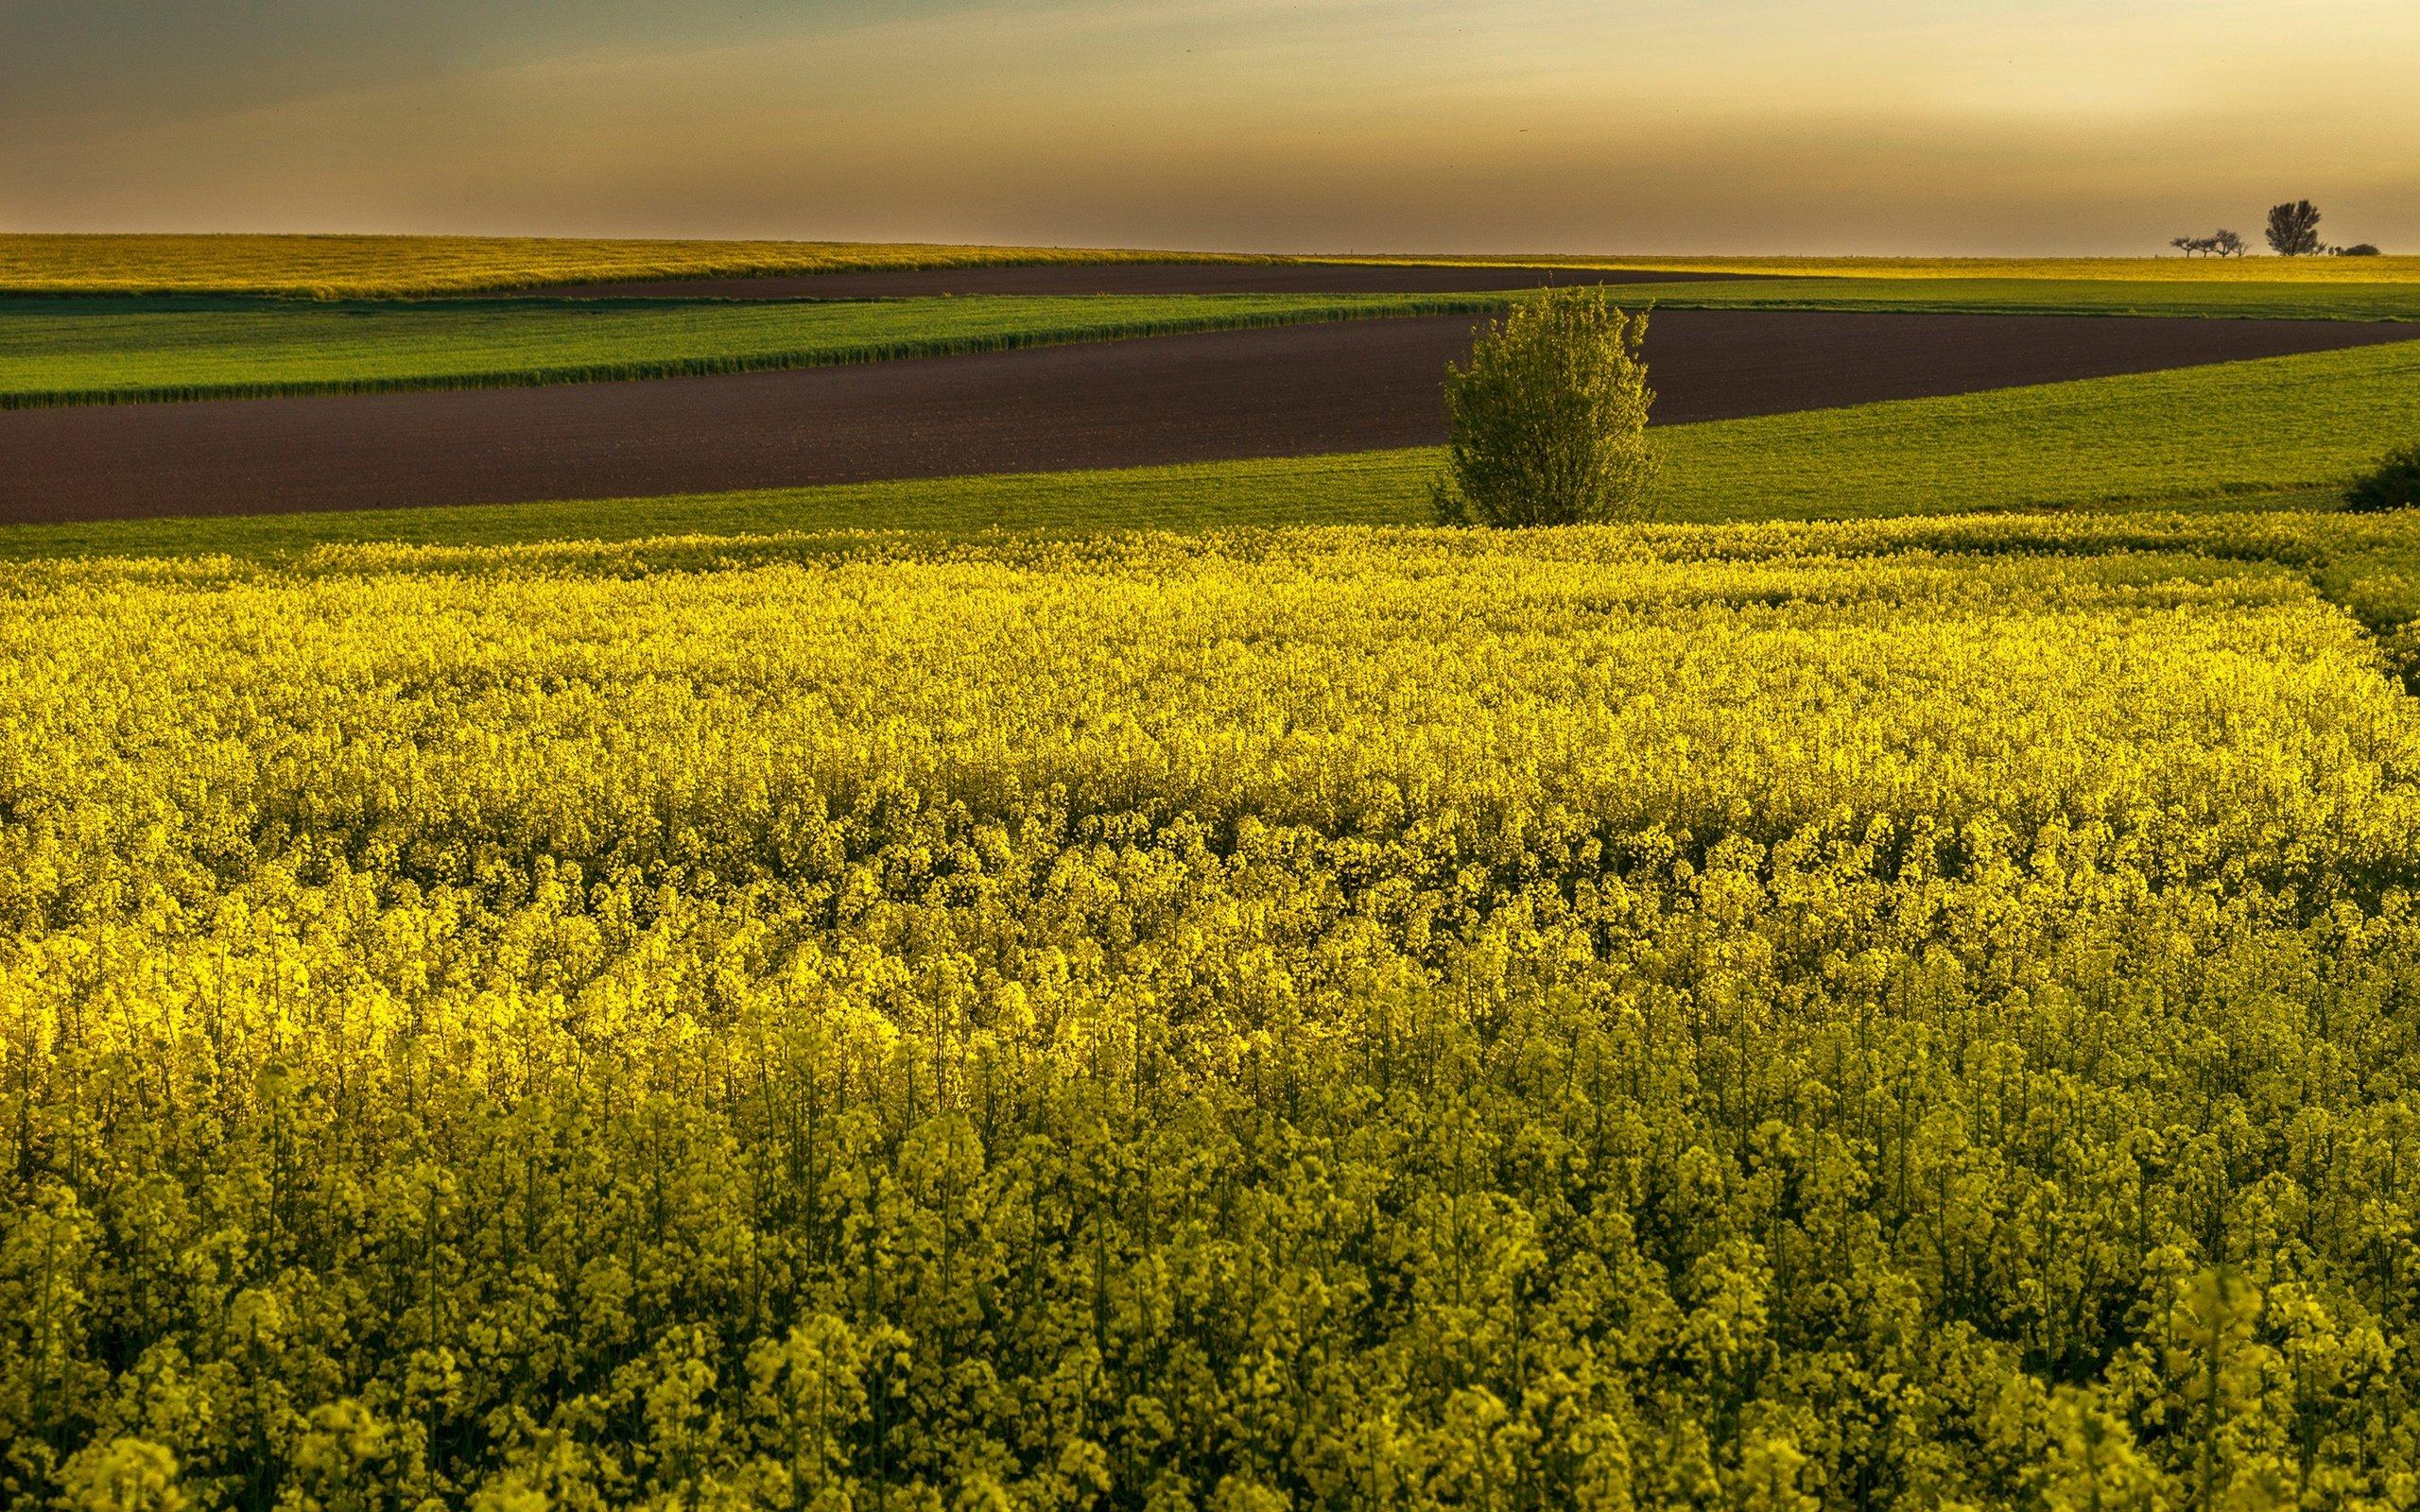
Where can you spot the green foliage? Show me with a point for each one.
(2393, 485)
(1548, 421)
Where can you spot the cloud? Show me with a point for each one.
(2048, 126)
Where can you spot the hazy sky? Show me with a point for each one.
(1892, 125)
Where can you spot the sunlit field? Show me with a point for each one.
(1359, 1018)
(2122, 270)
(1885, 982)
(376, 267)
(386, 267)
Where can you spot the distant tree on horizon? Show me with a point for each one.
(2218, 244)
(2294, 229)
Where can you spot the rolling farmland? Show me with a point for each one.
(1290, 389)
(1016, 981)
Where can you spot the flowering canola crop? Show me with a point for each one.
(1760, 1017)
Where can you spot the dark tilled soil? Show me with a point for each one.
(1287, 391)
(1123, 277)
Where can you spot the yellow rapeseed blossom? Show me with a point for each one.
(1895, 1015)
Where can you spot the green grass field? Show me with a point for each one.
(89, 349)
(2234, 430)
(61, 350)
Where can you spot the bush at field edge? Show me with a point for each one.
(2394, 484)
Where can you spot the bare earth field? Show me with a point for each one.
(1294, 390)
(1129, 278)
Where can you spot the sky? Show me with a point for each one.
(1911, 126)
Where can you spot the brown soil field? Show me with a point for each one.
(1287, 391)
(1124, 278)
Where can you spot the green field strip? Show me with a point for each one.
(58, 351)
(122, 351)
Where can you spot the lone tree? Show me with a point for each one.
(2294, 229)
(1549, 419)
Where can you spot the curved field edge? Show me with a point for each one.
(58, 353)
(1118, 323)
(2237, 432)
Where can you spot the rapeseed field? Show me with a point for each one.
(1906, 1013)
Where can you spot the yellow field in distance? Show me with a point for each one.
(371, 267)
(2100, 269)
(341, 267)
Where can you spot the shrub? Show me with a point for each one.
(1549, 419)
(2358, 250)
(2395, 484)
